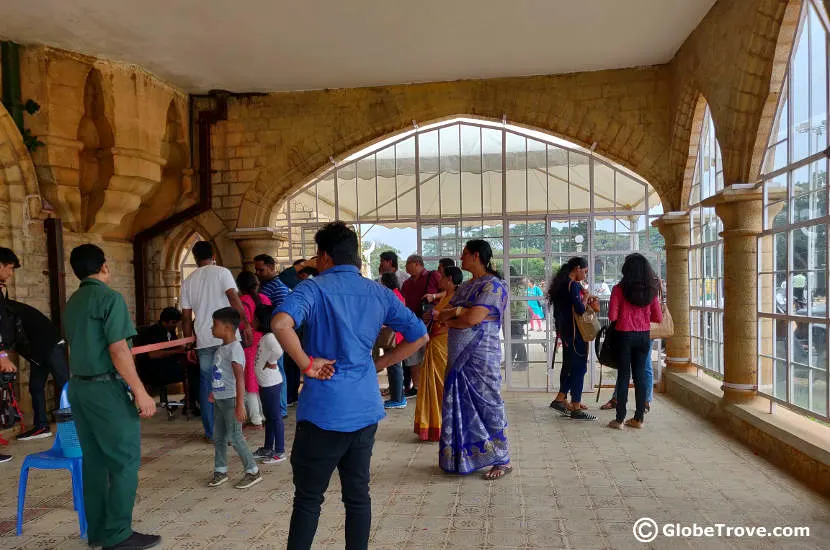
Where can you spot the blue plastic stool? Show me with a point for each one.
(53, 459)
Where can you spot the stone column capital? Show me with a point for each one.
(740, 208)
(257, 240)
(674, 226)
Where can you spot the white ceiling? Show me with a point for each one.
(279, 45)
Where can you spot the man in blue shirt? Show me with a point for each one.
(270, 284)
(340, 405)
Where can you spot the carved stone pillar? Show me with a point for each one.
(136, 174)
(740, 208)
(254, 241)
(58, 172)
(674, 226)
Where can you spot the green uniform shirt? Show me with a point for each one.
(95, 317)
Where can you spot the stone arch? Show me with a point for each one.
(174, 183)
(686, 120)
(616, 139)
(783, 50)
(734, 77)
(164, 275)
(177, 240)
(738, 119)
(96, 163)
(19, 204)
(698, 114)
(211, 228)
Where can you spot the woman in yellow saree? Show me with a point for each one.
(433, 369)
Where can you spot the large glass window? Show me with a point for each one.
(537, 199)
(706, 255)
(793, 322)
(187, 263)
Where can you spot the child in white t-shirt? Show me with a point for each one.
(270, 385)
(228, 397)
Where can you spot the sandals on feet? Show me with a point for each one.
(498, 472)
(612, 404)
(633, 423)
(582, 415)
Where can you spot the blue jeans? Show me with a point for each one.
(649, 376)
(284, 389)
(577, 367)
(228, 428)
(206, 357)
(274, 428)
(395, 374)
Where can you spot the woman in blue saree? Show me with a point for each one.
(473, 424)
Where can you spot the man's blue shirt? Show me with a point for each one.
(342, 314)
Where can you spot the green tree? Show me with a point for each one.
(374, 256)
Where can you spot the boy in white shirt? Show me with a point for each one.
(270, 385)
(204, 291)
(228, 398)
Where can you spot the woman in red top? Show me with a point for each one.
(251, 298)
(397, 400)
(634, 306)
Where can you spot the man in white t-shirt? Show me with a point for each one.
(206, 290)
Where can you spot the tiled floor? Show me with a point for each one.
(576, 485)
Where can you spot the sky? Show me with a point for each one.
(404, 239)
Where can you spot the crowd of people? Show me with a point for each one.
(321, 324)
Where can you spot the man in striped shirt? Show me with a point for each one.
(269, 283)
(277, 291)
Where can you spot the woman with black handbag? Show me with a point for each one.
(569, 299)
(635, 304)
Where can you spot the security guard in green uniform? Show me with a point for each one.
(105, 411)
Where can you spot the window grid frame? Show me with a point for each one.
(789, 318)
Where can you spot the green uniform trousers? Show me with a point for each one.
(110, 434)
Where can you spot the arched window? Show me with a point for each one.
(706, 254)
(187, 263)
(793, 322)
(536, 198)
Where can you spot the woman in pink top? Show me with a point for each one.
(634, 306)
(397, 399)
(250, 296)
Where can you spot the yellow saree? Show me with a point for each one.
(431, 384)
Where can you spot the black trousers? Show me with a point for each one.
(314, 456)
(55, 363)
(632, 350)
(518, 349)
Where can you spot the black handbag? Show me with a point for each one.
(604, 346)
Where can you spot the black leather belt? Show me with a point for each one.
(98, 377)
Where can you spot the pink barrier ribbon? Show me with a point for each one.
(163, 345)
